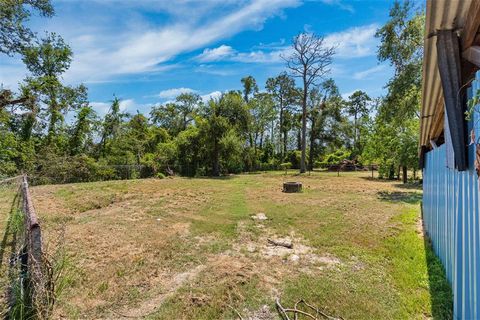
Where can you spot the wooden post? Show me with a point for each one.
(32, 226)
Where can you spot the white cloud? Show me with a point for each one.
(227, 53)
(263, 56)
(101, 107)
(216, 54)
(127, 105)
(174, 92)
(348, 94)
(217, 70)
(11, 73)
(361, 75)
(340, 4)
(354, 42)
(211, 95)
(137, 46)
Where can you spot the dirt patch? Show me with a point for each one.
(260, 217)
(264, 313)
(420, 229)
(264, 247)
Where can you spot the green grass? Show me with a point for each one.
(137, 243)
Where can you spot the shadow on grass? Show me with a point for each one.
(410, 185)
(229, 177)
(440, 291)
(400, 196)
(376, 179)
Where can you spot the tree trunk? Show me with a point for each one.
(391, 173)
(405, 174)
(284, 147)
(304, 129)
(312, 146)
(299, 138)
(354, 132)
(216, 164)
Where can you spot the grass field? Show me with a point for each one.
(189, 248)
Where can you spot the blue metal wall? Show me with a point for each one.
(451, 218)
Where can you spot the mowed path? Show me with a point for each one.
(189, 249)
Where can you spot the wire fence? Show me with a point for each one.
(27, 275)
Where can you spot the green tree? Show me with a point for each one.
(111, 125)
(176, 116)
(282, 89)
(14, 15)
(250, 87)
(323, 113)
(82, 130)
(357, 107)
(186, 104)
(402, 45)
(47, 60)
(218, 118)
(262, 113)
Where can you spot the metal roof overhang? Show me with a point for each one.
(440, 15)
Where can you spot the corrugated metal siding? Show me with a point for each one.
(451, 218)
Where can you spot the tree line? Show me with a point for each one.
(296, 119)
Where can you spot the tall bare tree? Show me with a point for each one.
(309, 61)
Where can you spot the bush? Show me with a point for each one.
(294, 157)
(334, 158)
(160, 175)
(272, 164)
(231, 147)
(286, 165)
(52, 168)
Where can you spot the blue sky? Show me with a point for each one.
(146, 52)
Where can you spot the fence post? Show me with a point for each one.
(33, 244)
(33, 227)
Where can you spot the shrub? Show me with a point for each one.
(231, 147)
(285, 166)
(334, 158)
(294, 157)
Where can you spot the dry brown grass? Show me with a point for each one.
(189, 249)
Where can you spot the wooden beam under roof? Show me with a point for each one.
(472, 24)
(472, 54)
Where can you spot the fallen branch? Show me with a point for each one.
(284, 311)
(281, 310)
(288, 245)
(319, 311)
(236, 311)
(296, 312)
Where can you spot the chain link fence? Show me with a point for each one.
(27, 276)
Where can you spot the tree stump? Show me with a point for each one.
(290, 187)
